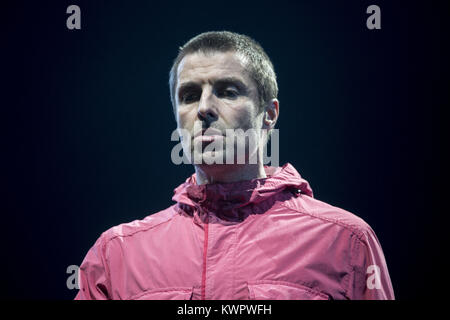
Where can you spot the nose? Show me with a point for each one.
(206, 108)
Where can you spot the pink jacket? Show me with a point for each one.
(256, 239)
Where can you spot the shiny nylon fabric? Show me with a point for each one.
(256, 239)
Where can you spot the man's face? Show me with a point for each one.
(215, 91)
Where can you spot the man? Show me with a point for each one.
(238, 229)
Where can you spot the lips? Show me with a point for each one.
(209, 132)
(206, 136)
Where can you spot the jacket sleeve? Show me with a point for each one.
(369, 279)
(93, 275)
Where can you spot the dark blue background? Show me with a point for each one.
(86, 122)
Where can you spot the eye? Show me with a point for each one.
(229, 93)
(189, 97)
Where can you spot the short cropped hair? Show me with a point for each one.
(258, 64)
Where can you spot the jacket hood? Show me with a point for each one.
(225, 199)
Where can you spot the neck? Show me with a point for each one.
(224, 173)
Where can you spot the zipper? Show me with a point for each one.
(205, 250)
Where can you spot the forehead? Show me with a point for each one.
(200, 67)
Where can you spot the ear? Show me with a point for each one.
(271, 113)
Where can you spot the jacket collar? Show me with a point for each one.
(226, 199)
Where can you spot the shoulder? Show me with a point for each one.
(325, 213)
(126, 231)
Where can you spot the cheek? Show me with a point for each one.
(185, 118)
(240, 115)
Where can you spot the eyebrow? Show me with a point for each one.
(221, 82)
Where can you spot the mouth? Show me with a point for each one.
(207, 139)
(206, 136)
(209, 132)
